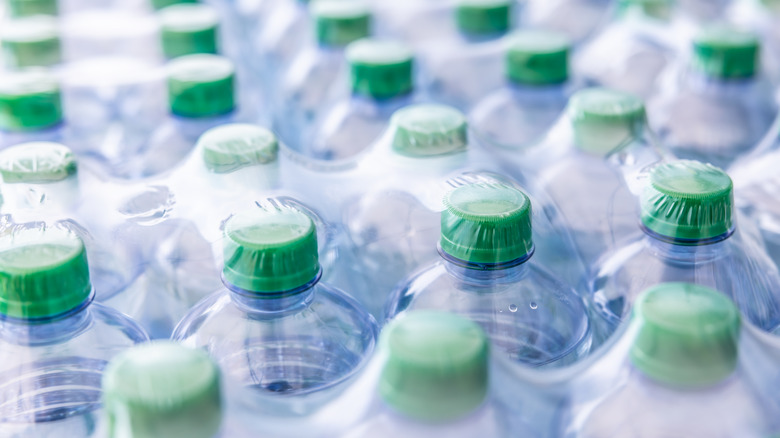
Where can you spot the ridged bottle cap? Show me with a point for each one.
(486, 223)
(26, 8)
(538, 57)
(162, 389)
(688, 200)
(605, 120)
(233, 146)
(37, 162)
(660, 9)
(380, 69)
(270, 250)
(340, 22)
(483, 17)
(426, 130)
(726, 52)
(688, 335)
(161, 4)
(43, 273)
(201, 85)
(31, 42)
(437, 366)
(188, 29)
(29, 101)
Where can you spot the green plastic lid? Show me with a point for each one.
(201, 85)
(726, 52)
(188, 28)
(427, 130)
(31, 42)
(380, 69)
(36, 162)
(43, 273)
(486, 223)
(340, 22)
(26, 8)
(437, 366)
(687, 335)
(29, 101)
(688, 200)
(162, 389)
(538, 58)
(483, 17)
(605, 120)
(270, 250)
(233, 146)
(161, 4)
(660, 9)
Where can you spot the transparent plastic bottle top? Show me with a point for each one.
(338, 23)
(201, 85)
(32, 41)
(429, 130)
(480, 18)
(188, 28)
(29, 101)
(162, 389)
(36, 163)
(231, 147)
(538, 58)
(380, 69)
(24, 8)
(604, 121)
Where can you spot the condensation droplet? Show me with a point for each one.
(512, 308)
(533, 305)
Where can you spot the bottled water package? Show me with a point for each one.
(691, 235)
(717, 105)
(54, 340)
(30, 108)
(487, 273)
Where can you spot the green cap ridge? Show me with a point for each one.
(230, 147)
(162, 389)
(43, 273)
(659, 9)
(437, 366)
(427, 130)
(538, 58)
(486, 223)
(31, 42)
(26, 8)
(162, 4)
(29, 101)
(605, 120)
(36, 162)
(483, 17)
(726, 52)
(687, 336)
(688, 200)
(201, 85)
(270, 250)
(340, 22)
(380, 69)
(188, 29)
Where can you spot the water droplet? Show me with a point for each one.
(512, 308)
(533, 305)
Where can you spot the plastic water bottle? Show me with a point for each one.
(684, 355)
(433, 381)
(537, 88)
(287, 333)
(55, 341)
(486, 274)
(578, 19)
(30, 108)
(690, 235)
(718, 106)
(307, 85)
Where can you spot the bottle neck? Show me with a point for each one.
(57, 196)
(485, 274)
(686, 251)
(272, 305)
(47, 331)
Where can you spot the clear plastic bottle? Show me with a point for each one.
(487, 274)
(716, 106)
(55, 342)
(274, 326)
(536, 90)
(690, 235)
(30, 108)
(282, 35)
(684, 375)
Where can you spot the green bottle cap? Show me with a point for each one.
(538, 58)
(26, 8)
(29, 101)
(162, 389)
(726, 52)
(660, 9)
(233, 146)
(688, 200)
(486, 223)
(188, 29)
(161, 4)
(31, 42)
(380, 69)
(340, 22)
(270, 250)
(36, 162)
(428, 130)
(437, 366)
(483, 17)
(605, 120)
(43, 273)
(687, 335)
(201, 85)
